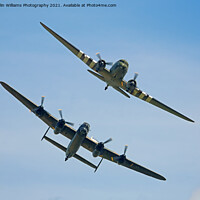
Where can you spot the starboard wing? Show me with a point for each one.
(110, 155)
(145, 97)
(107, 154)
(97, 75)
(134, 166)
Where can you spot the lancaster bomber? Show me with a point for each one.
(78, 138)
(114, 76)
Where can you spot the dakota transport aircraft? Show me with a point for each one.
(114, 76)
(78, 138)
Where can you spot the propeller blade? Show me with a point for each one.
(109, 140)
(98, 55)
(125, 149)
(70, 123)
(60, 111)
(42, 100)
(109, 63)
(135, 76)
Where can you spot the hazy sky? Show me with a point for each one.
(160, 40)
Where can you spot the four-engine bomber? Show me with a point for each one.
(78, 138)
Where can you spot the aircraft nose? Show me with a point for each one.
(84, 130)
(123, 67)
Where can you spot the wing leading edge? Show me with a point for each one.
(29, 104)
(107, 154)
(145, 97)
(46, 118)
(85, 58)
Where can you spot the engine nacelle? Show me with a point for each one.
(96, 153)
(39, 111)
(120, 159)
(98, 149)
(59, 126)
(131, 85)
(101, 64)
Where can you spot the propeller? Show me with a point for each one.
(99, 148)
(120, 159)
(60, 112)
(132, 84)
(102, 62)
(42, 100)
(100, 145)
(109, 140)
(39, 110)
(135, 76)
(125, 149)
(98, 55)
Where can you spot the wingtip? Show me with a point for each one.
(2, 83)
(188, 119)
(163, 178)
(191, 121)
(42, 24)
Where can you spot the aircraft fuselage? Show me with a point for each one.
(119, 69)
(115, 75)
(77, 140)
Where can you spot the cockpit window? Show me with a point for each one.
(85, 124)
(124, 61)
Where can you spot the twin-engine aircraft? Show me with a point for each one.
(78, 138)
(114, 76)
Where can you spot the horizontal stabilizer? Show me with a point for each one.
(75, 156)
(55, 143)
(85, 161)
(121, 91)
(97, 75)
